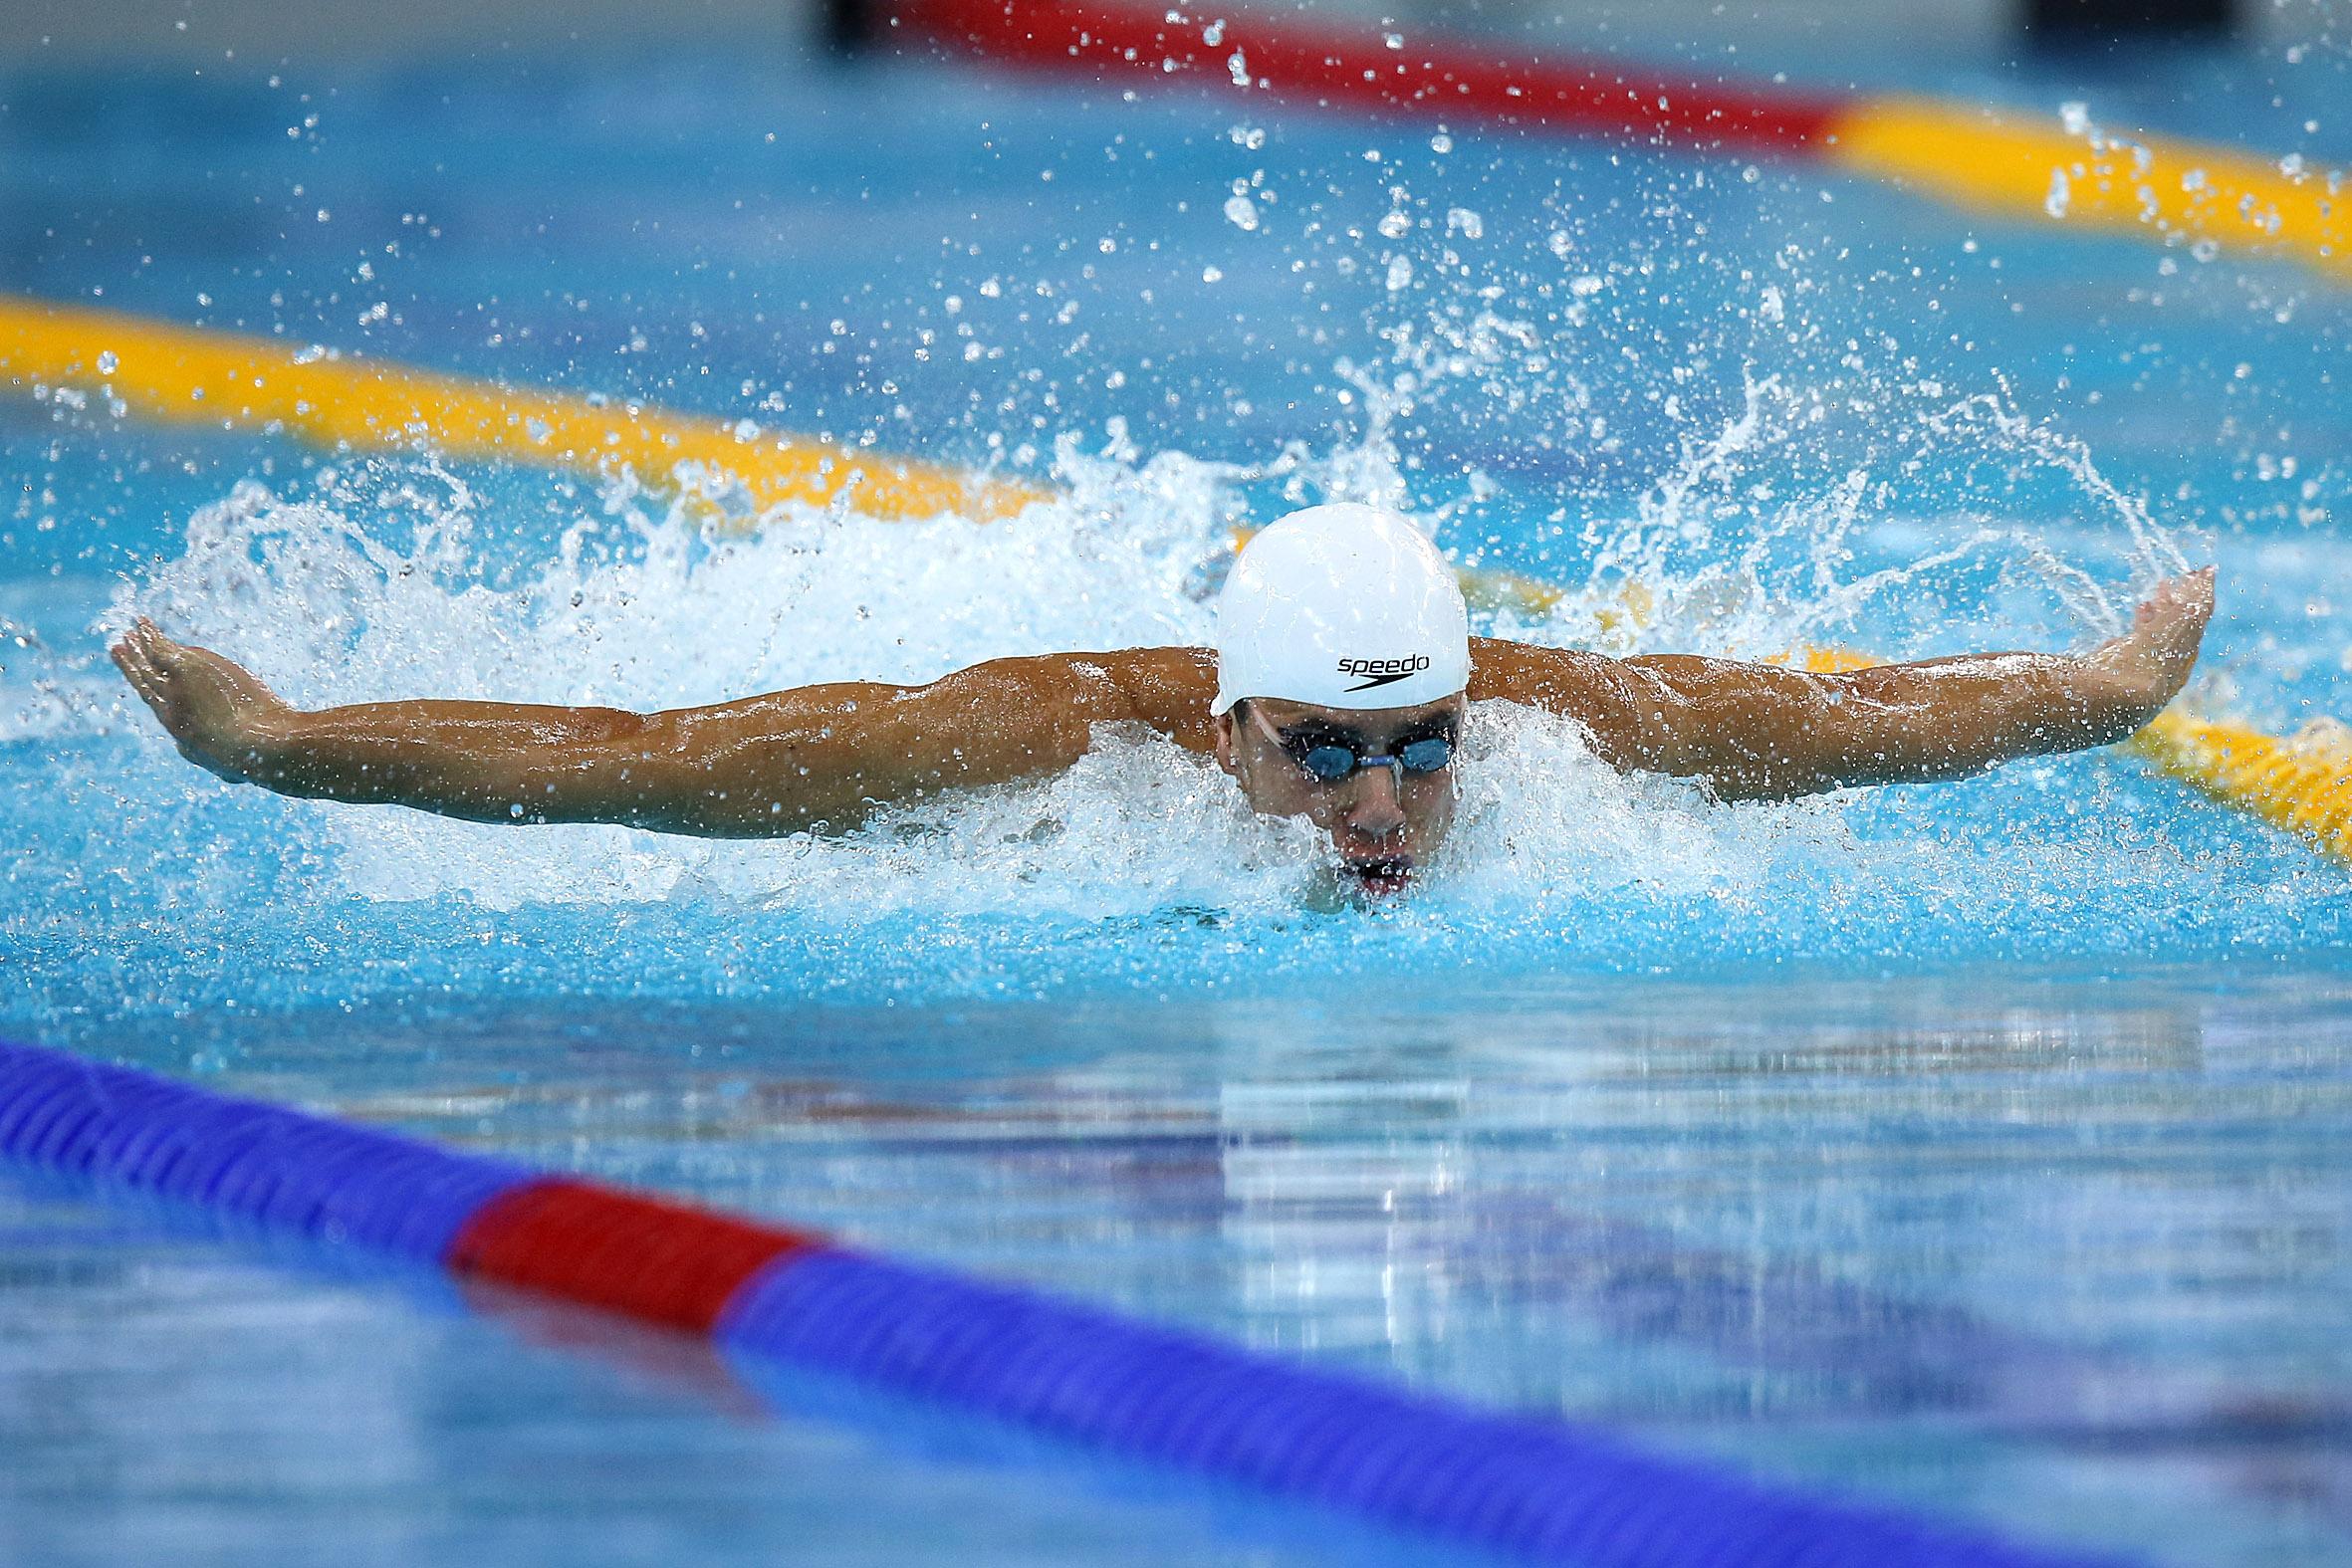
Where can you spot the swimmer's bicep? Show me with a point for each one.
(830, 755)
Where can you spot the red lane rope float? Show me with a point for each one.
(1542, 1490)
(640, 1257)
(1302, 62)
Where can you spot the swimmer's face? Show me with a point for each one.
(1385, 823)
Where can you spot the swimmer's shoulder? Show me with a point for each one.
(1568, 681)
(1616, 702)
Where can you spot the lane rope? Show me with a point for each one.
(2156, 186)
(1964, 155)
(1294, 61)
(2300, 783)
(1540, 1490)
(188, 375)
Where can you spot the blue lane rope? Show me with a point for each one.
(1540, 1490)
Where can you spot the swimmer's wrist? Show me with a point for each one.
(2120, 702)
(267, 748)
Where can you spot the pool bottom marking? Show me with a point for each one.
(1540, 1490)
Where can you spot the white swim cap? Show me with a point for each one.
(1342, 607)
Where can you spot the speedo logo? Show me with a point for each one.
(1382, 672)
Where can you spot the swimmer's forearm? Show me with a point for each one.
(1755, 732)
(821, 759)
(479, 760)
(816, 759)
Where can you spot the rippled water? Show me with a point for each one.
(1978, 1145)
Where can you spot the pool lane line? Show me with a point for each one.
(1964, 155)
(197, 375)
(2300, 783)
(2153, 186)
(1294, 61)
(1540, 1490)
(189, 375)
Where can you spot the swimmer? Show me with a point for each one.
(1338, 690)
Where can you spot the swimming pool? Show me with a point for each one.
(1980, 1146)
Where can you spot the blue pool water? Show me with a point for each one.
(1982, 1146)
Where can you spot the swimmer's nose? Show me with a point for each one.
(1376, 809)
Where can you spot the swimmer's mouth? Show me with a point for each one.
(1383, 874)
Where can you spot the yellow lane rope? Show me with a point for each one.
(2300, 783)
(199, 376)
(2153, 185)
(196, 377)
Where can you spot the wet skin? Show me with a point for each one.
(826, 757)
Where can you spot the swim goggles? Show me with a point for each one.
(1330, 760)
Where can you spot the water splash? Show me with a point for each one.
(379, 586)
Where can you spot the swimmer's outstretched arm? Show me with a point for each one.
(816, 759)
(1759, 732)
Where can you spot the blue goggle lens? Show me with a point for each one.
(1330, 764)
(1427, 754)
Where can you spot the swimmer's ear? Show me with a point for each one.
(1221, 725)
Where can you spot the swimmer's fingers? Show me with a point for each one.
(2154, 657)
(199, 675)
(2188, 597)
(147, 679)
(2176, 614)
(212, 708)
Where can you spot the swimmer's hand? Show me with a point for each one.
(2150, 663)
(223, 720)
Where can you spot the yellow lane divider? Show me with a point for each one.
(2152, 186)
(2300, 783)
(196, 377)
(199, 376)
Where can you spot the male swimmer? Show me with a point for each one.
(1343, 678)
